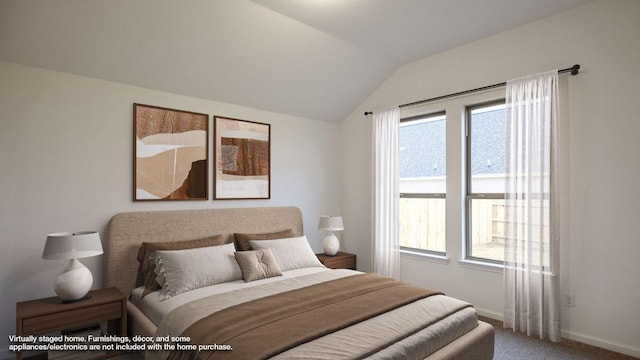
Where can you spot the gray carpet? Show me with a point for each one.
(515, 346)
(510, 345)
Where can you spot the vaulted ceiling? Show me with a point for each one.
(317, 59)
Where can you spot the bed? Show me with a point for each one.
(299, 309)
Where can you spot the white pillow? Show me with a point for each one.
(290, 253)
(183, 270)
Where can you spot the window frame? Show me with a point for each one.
(443, 196)
(469, 195)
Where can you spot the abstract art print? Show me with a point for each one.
(242, 159)
(171, 154)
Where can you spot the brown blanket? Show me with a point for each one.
(267, 326)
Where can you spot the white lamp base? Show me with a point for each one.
(331, 244)
(74, 282)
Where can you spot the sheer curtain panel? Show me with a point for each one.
(386, 249)
(531, 276)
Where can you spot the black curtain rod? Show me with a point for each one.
(573, 70)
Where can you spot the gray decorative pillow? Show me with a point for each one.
(257, 264)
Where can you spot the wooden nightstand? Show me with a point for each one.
(48, 315)
(341, 260)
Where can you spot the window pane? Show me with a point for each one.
(422, 224)
(535, 213)
(488, 150)
(423, 171)
(487, 232)
(423, 164)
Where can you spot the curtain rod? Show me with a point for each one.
(573, 70)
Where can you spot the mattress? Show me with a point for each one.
(423, 326)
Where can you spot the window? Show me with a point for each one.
(422, 143)
(485, 182)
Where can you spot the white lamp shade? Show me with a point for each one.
(75, 280)
(331, 223)
(76, 245)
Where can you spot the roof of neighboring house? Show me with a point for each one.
(423, 146)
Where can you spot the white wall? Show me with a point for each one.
(601, 169)
(66, 147)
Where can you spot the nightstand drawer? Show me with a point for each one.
(72, 318)
(341, 260)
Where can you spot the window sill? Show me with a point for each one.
(440, 259)
(481, 265)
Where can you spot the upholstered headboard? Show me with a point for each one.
(126, 231)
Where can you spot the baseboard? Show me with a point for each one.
(604, 344)
(490, 314)
(570, 335)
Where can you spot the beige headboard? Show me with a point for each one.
(126, 231)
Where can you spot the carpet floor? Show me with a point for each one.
(515, 346)
(510, 345)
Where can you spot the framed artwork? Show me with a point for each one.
(171, 154)
(242, 159)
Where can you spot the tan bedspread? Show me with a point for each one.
(190, 314)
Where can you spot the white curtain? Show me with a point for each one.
(531, 277)
(386, 250)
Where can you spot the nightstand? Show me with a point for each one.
(48, 315)
(341, 260)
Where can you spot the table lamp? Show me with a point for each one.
(74, 282)
(330, 243)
